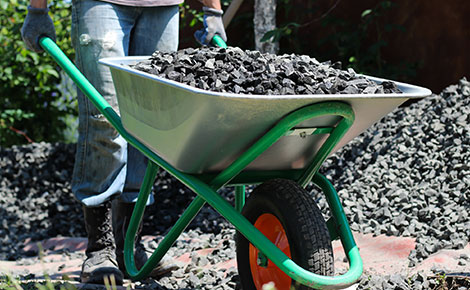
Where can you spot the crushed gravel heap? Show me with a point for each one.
(420, 281)
(36, 200)
(237, 71)
(35, 195)
(409, 174)
(199, 274)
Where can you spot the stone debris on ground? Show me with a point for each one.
(408, 175)
(416, 282)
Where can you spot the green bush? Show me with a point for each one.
(32, 106)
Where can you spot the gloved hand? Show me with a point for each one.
(37, 23)
(212, 25)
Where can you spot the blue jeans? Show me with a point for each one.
(105, 166)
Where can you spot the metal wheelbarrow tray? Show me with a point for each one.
(209, 140)
(200, 131)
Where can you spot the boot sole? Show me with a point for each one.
(100, 275)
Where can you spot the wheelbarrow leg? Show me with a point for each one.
(137, 214)
(170, 238)
(340, 227)
(239, 197)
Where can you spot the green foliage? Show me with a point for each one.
(357, 44)
(360, 46)
(189, 16)
(29, 89)
(276, 34)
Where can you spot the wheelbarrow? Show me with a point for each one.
(208, 140)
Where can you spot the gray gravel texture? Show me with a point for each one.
(36, 200)
(199, 274)
(408, 175)
(35, 195)
(234, 70)
(438, 281)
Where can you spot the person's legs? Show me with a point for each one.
(99, 30)
(156, 28)
(103, 30)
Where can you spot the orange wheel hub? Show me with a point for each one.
(263, 270)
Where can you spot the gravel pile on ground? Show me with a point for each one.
(36, 200)
(415, 282)
(237, 71)
(199, 274)
(409, 175)
(35, 196)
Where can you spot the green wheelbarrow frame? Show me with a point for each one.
(206, 186)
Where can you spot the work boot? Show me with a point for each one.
(100, 263)
(122, 213)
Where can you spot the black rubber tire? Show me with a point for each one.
(305, 227)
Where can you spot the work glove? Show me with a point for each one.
(36, 24)
(213, 25)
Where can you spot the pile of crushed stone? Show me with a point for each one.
(409, 174)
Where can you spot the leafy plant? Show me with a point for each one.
(276, 34)
(189, 16)
(29, 91)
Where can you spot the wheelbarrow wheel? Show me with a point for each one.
(285, 213)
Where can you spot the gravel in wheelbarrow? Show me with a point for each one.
(234, 70)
